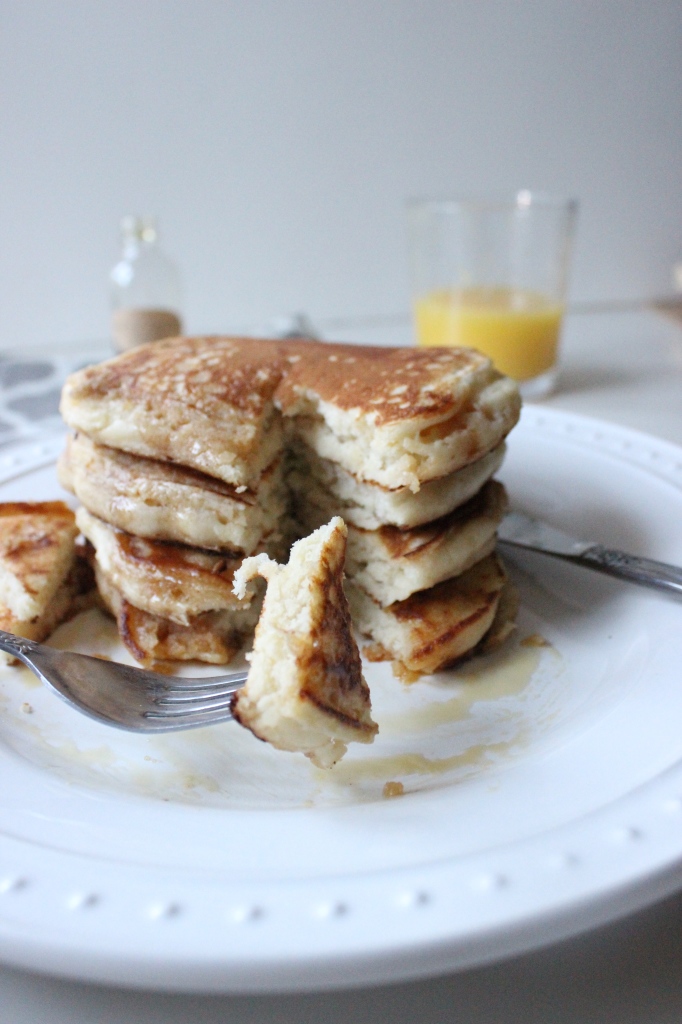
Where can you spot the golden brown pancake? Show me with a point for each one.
(206, 403)
(42, 579)
(390, 564)
(213, 637)
(393, 416)
(305, 690)
(397, 416)
(170, 580)
(178, 437)
(433, 628)
(161, 501)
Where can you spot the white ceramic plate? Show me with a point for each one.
(543, 786)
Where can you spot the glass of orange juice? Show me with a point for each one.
(490, 274)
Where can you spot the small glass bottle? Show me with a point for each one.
(677, 274)
(145, 288)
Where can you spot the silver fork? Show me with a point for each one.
(126, 697)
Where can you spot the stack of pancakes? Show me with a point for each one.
(192, 453)
(177, 461)
(414, 486)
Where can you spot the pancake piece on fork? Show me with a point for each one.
(305, 690)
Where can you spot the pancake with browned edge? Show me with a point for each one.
(305, 690)
(206, 403)
(433, 628)
(172, 581)
(42, 580)
(390, 564)
(162, 501)
(397, 417)
(214, 637)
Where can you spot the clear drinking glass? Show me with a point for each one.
(490, 274)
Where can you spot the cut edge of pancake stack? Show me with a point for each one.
(187, 452)
(423, 580)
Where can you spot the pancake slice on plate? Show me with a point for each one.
(42, 579)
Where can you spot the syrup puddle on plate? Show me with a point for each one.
(449, 726)
(504, 676)
(507, 677)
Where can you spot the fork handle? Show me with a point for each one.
(17, 646)
(632, 567)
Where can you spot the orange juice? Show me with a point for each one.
(517, 329)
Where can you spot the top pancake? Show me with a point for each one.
(394, 416)
(206, 403)
(389, 385)
(397, 416)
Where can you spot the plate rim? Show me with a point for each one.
(56, 928)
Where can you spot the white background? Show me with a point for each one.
(277, 141)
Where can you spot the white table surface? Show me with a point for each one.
(626, 368)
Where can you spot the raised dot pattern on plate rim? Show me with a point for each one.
(622, 839)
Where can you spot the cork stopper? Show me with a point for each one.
(133, 327)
